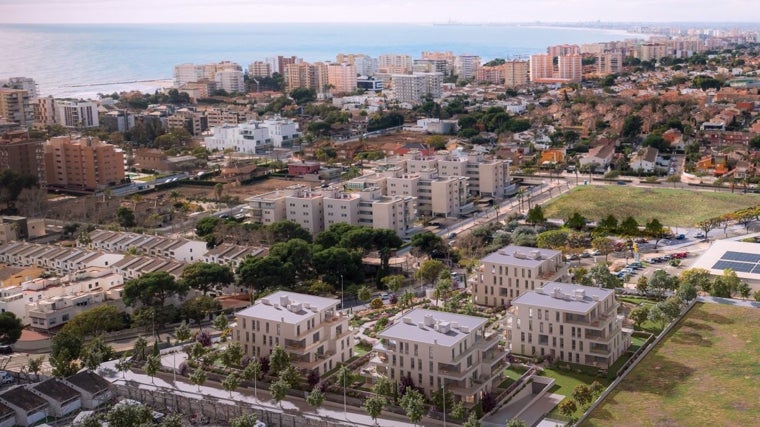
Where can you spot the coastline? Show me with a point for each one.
(91, 91)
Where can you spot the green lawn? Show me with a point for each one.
(636, 300)
(705, 373)
(672, 207)
(514, 372)
(566, 380)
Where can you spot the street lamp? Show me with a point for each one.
(443, 388)
(342, 307)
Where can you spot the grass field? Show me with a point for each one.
(705, 373)
(672, 207)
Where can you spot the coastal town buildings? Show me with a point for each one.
(84, 164)
(567, 323)
(341, 77)
(512, 271)
(439, 350)
(310, 328)
(77, 114)
(254, 136)
(15, 106)
(23, 155)
(413, 88)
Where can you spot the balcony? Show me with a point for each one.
(599, 349)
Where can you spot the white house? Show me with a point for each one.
(28, 407)
(645, 160)
(93, 388)
(62, 399)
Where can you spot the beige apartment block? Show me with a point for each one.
(488, 176)
(15, 106)
(609, 63)
(569, 323)
(342, 207)
(541, 67)
(515, 73)
(309, 328)
(342, 77)
(395, 64)
(306, 208)
(513, 270)
(84, 163)
(441, 350)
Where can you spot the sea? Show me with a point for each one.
(82, 61)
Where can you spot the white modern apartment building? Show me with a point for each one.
(569, 323)
(49, 303)
(230, 78)
(77, 114)
(513, 270)
(188, 73)
(465, 66)
(254, 136)
(440, 350)
(436, 195)
(413, 88)
(309, 328)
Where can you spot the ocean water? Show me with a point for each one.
(83, 60)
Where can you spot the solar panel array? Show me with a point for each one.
(740, 262)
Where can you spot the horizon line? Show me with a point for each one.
(450, 22)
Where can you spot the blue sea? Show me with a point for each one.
(83, 60)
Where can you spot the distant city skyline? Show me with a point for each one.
(387, 11)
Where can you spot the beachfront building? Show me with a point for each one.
(439, 350)
(309, 328)
(513, 270)
(567, 323)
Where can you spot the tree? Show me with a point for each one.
(95, 352)
(364, 294)
(123, 365)
(95, 321)
(265, 272)
(597, 388)
(152, 365)
(427, 242)
(231, 382)
(699, 278)
(64, 353)
(756, 295)
(199, 308)
(278, 390)
(206, 276)
(707, 225)
(535, 215)
(642, 285)
(253, 372)
(303, 95)
(205, 226)
(604, 245)
(198, 377)
(657, 316)
(552, 239)
(629, 227)
(514, 422)
(282, 231)
(245, 420)
(152, 289)
(394, 282)
(687, 291)
(291, 375)
(182, 332)
(374, 406)
(639, 315)
(430, 270)
(413, 404)
(220, 322)
(662, 281)
(383, 387)
(140, 349)
(10, 328)
(576, 221)
(744, 289)
(316, 397)
(655, 230)
(600, 275)
(582, 394)
(568, 407)
(35, 365)
(279, 359)
(608, 225)
(11, 185)
(129, 414)
(232, 355)
(125, 217)
(472, 420)
(631, 126)
(671, 307)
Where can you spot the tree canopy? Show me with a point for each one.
(206, 277)
(152, 289)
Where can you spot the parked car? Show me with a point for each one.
(6, 378)
(6, 349)
(699, 235)
(680, 237)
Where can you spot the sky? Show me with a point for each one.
(394, 11)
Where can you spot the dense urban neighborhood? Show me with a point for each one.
(563, 239)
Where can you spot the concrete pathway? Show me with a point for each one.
(730, 301)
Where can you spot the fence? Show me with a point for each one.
(635, 361)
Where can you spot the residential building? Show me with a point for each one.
(77, 114)
(301, 74)
(259, 69)
(342, 77)
(513, 270)
(188, 73)
(741, 257)
(282, 131)
(229, 77)
(61, 398)
(243, 138)
(563, 49)
(516, 73)
(93, 388)
(568, 323)
(541, 68)
(203, 88)
(394, 64)
(431, 66)
(303, 168)
(118, 121)
(494, 75)
(192, 121)
(645, 160)
(21, 83)
(23, 155)
(570, 68)
(365, 65)
(448, 57)
(413, 88)
(44, 111)
(487, 176)
(440, 350)
(84, 163)
(269, 208)
(309, 328)
(369, 84)
(15, 106)
(306, 208)
(609, 63)
(599, 157)
(29, 408)
(20, 228)
(465, 66)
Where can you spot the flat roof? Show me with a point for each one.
(520, 256)
(564, 296)
(276, 307)
(742, 257)
(408, 327)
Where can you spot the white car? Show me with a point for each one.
(6, 378)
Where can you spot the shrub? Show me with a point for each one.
(376, 303)
(183, 368)
(204, 338)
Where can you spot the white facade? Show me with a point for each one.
(252, 136)
(77, 114)
(188, 73)
(413, 88)
(465, 66)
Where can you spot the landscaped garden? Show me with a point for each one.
(643, 204)
(705, 372)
